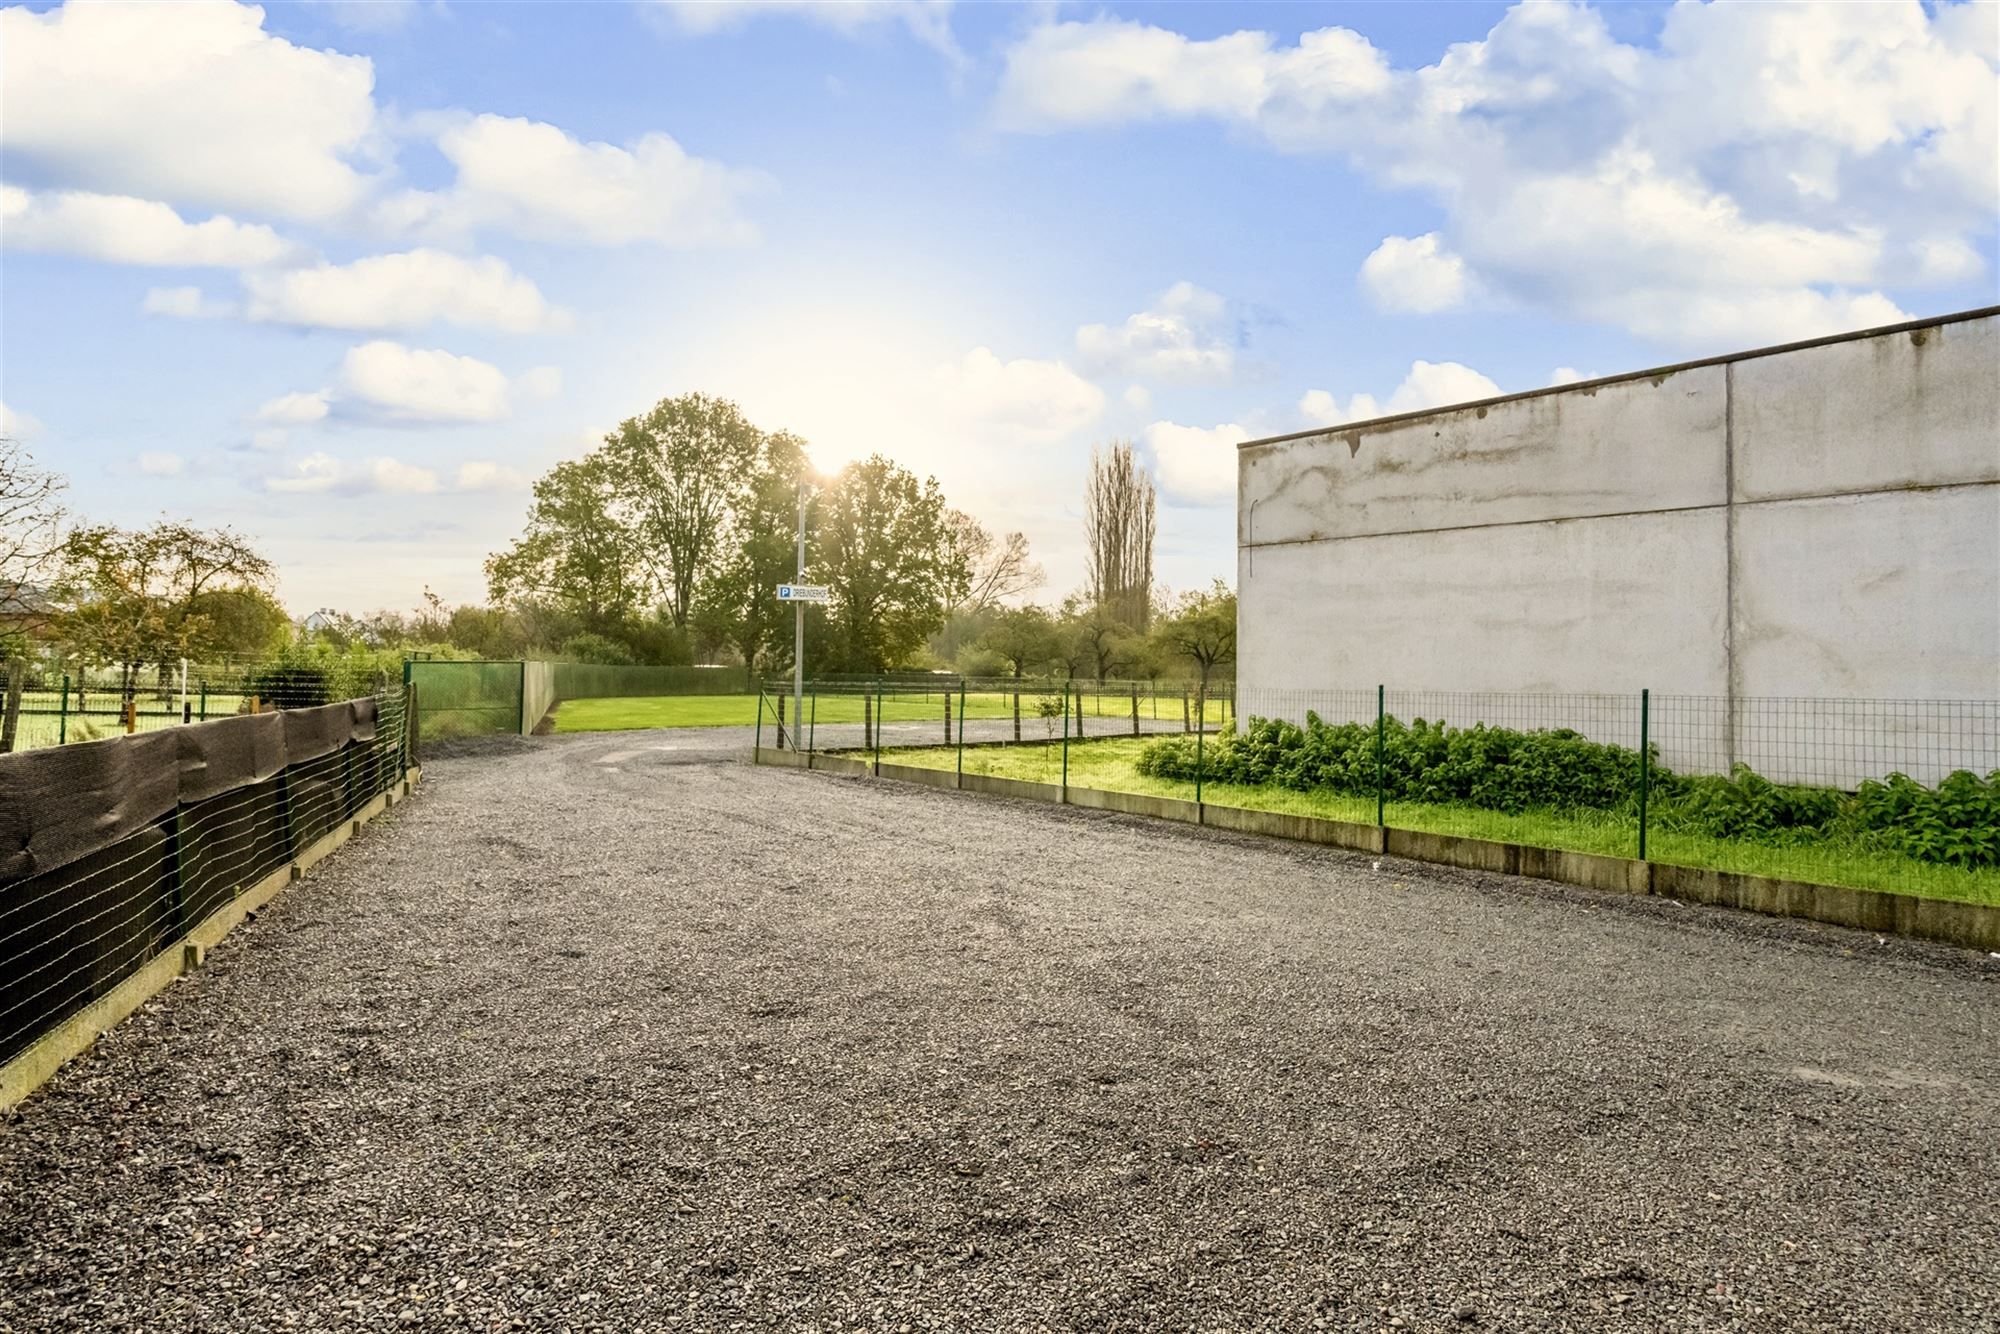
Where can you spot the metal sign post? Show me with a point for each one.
(798, 595)
(799, 628)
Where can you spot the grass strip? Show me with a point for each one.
(1109, 766)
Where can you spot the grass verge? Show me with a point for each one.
(1108, 766)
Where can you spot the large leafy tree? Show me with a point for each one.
(1200, 626)
(577, 555)
(738, 602)
(1026, 639)
(1104, 644)
(151, 595)
(886, 548)
(681, 470)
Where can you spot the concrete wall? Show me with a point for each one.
(538, 694)
(1818, 522)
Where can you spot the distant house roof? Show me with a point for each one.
(24, 600)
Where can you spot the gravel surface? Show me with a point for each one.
(618, 1033)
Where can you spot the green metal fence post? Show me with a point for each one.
(523, 710)
(879, 720)
(204, 695)
(62, 713)
(1381, 738)
(757, 747)
(1065, 768)
(1645, 762)
(812, 727)
(1200, 762)
(961, 731)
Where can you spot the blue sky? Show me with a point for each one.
(346, 277)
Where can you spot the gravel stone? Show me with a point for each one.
(619, 1033)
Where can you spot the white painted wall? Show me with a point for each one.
(1809, 524)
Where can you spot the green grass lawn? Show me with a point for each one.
(1108, 766)
(638, 712)
(42, 722)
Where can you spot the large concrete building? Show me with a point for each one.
(1817, 523)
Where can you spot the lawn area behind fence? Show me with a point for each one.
(1111, 765)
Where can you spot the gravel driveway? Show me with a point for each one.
(618, 1033)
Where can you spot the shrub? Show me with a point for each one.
(596, 649)
(1496, 768)
(1501, 769)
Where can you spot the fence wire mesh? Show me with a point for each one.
(68, 936)
(468, 698)
(941, 713)
(1901, 795)
(90, 704)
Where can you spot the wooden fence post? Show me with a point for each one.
(10, 727)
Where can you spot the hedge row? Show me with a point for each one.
(1957, 823)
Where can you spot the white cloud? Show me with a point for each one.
(1109, 70)
(293, 409)
(1041, 399)
(322, 474)
(1414, 273)
(1761, 173)
(485, 475)
(403, 291)
(386, 381)
(534, 180)
(1138, 398)
(121, 230)
(1196, 463)
(416, 385)
(159, 463)
(929, 21)
(17, 425)
(1185, 338)
(1566, 375)
(1736, 319)
(1428, 385)
(190, 103)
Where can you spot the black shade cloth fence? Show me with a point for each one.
(110, 851)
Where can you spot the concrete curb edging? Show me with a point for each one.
(75, 1035)
(1947, 921)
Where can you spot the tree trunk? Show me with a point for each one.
(9, 727)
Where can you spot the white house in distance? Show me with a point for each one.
(1765, 540)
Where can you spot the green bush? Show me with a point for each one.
(596, 649)
(1501, 769)
(1496, 768)
(309, 674)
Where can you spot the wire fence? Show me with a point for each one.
(1901, 795)
(91, 703)
(468, 698)
(869, 714)
(81, 911)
